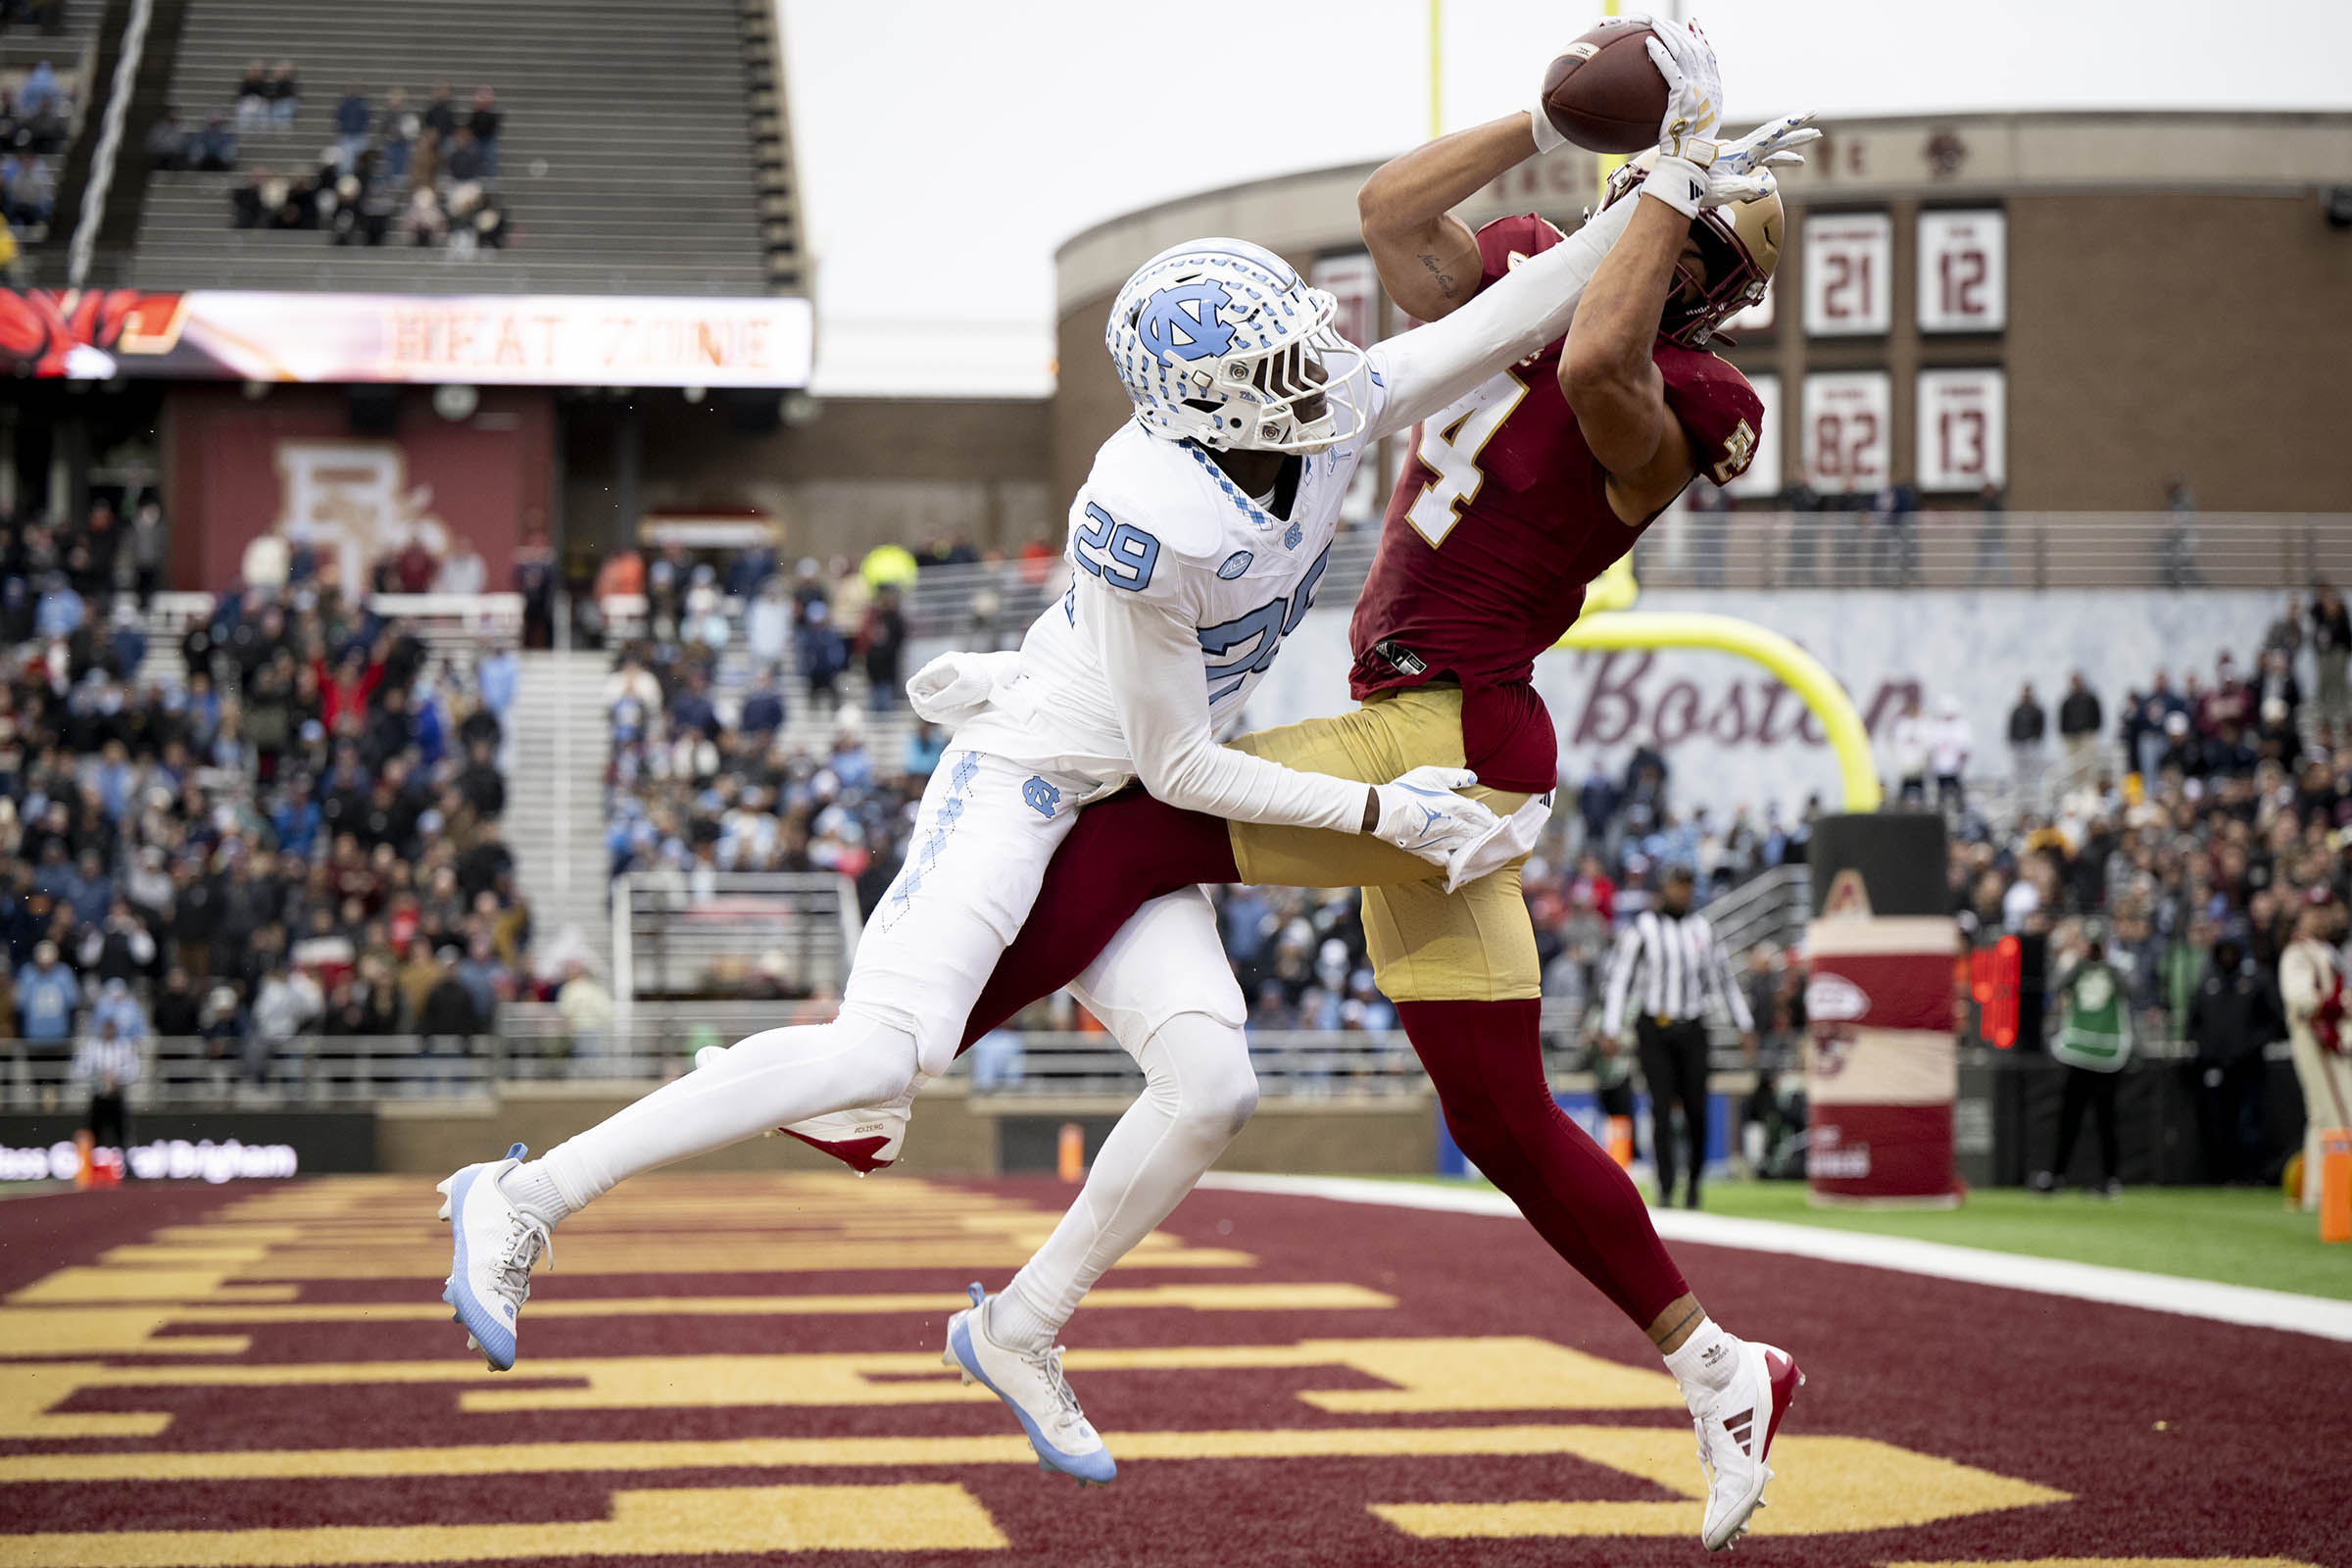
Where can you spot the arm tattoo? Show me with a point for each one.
(1444, 278)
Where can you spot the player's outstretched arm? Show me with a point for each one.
(1151, 658)
(1427, 257)
(1608, 376)
(1425, 369)
(1606, 371)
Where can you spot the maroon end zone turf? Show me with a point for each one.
(2174, 1438)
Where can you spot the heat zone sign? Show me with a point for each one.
(1963, 272)
(1850, 275)
(1847, 414)
(1963, 429)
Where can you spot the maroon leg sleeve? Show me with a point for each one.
(1119, 857)
(1487, 1060)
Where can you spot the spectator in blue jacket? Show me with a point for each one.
(117, 1007)
(352, 117)
(47, 995)
(924, 747)
(41, 93)
(125, 644)
(496, 675)
(764, 705)
(295, 820)
(60, 611)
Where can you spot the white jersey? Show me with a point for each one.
(1157, 519)
(1183, 588)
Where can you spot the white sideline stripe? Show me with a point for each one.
(2315, 1315)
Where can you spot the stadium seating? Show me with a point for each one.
(628, 159)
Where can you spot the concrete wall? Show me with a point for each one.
(862, 472)
(955, 1134)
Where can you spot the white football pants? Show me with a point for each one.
(1165, 988)
(982, 838)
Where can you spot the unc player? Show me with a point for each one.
(1197, 543)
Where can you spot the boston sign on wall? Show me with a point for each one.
(490, 340)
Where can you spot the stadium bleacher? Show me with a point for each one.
(684, 192)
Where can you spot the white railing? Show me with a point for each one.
(717, 934)
(84, 246)
(309, 1070)
(1769, 908)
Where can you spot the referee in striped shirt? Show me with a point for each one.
(107, 1064)
(1666, 966)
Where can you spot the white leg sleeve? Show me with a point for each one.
(775, 1077)
(1164, 981)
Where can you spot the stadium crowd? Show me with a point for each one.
(291, 828)
(2173, 819)
(35, 111)
(393, 173)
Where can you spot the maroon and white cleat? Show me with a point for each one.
(864, 1140)
(1736, 1429)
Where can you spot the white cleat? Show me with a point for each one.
(1032, 1383)
(1736, 1429)
(864, 1137)
(493, 1246)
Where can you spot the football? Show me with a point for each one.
(1605, 93)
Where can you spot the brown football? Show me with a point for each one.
(1605, 93)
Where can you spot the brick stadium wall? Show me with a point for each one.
(238, 467)
(2199, 333)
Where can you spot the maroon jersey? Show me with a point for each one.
(1498, 522)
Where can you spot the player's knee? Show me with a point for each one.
(1207, 1060)
(888, 1050)
(1225, 1106)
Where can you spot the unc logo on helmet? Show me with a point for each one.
(1181, 320)
(1221, 343)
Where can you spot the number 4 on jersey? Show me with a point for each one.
(1450, 442)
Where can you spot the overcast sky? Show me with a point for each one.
(946, 149)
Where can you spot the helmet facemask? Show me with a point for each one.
(1297, 396)
(1739, 246)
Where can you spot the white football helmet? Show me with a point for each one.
(1221, 342)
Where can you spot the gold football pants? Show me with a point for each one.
(1428, 945)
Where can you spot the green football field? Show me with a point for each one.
(2240, 1235)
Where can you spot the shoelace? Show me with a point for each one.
(1048, 1366)
(526, 1239)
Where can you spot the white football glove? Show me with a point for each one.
(953, 688)
(1421, 814)
(1694, 85)
(1511, 838)
(1772, 143)
(1742, 170)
